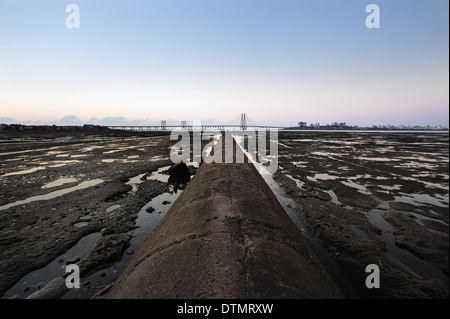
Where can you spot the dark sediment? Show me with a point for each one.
(401, 178)
(33, 234)
(370, 198)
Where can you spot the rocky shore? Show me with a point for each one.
(33, 233)
(374, 198)
(365, 198)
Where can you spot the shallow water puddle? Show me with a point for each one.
(158, 175)
(361, 189)
(145, 223)
(284, 145)
(123, 160)
(421, 267)
(301, 164)
(422, 199)
(378, 159)
(120, 148)
(110, 160)
(27, 171)
(359, 231)
(300, 184)
(81, 224)
(113, 208)
(334, 198)
(78, 155)
(60, 182)
(54, 194)
(64, 163)
(37, 279)
(419, 218)
(135, 181)
(322, 176)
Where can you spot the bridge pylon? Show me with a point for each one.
(243, 124)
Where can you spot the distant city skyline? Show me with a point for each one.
(72, 120)
(279, 61)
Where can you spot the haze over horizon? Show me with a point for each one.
(280, 62)
(72, 120)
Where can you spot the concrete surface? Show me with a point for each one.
(226, 236)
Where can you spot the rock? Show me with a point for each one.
(192, 170)
(108, 249)
(53, 290)
(179, 173)
(166, 202)
(73, 260)
(106, 231)
(150, 209)
(123, 179)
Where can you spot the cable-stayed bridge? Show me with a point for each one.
(242, 125)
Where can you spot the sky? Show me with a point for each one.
(278, 61)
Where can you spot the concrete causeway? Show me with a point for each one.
(226, 236)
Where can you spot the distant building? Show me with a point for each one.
(302, 124)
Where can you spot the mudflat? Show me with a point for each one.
(374, 198)
(59, 187)
(366, 198)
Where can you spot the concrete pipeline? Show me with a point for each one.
(226, 236)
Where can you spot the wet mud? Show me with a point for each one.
(365, 198)
(58, 190)
(374, 198)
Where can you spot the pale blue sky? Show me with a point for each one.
(279, 61)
